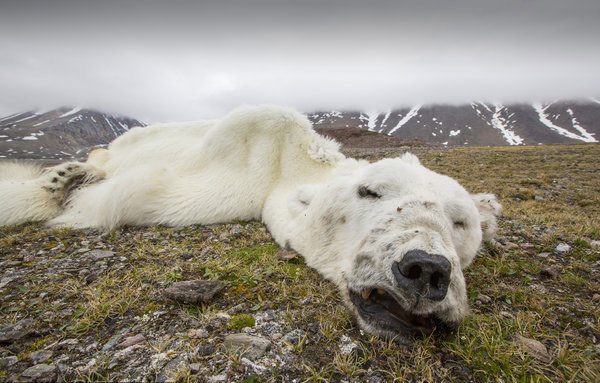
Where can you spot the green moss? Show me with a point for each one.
(238, 322)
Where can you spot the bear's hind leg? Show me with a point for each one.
(60, 179)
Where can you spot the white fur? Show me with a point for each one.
(264, 163)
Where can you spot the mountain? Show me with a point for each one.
(478, 123)
(71, 133)
(59, 134)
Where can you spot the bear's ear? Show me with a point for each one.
(301, 198)
(410, 158)
(489, 208)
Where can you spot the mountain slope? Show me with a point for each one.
(63, 133)
(478, 123)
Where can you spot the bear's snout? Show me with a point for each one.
(423, 275)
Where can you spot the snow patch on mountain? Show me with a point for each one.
(70, 112)
(325, 116)
(371, 120)
(42, 123)
(385, 118)
(25, 119)
(503, 125)
(585, 136)
(584, 133)
(10, 117)
(411, 113)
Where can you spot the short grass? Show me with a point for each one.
(551, 195)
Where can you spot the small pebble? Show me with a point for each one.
(130, 341)
(550, 272)
(197, 333)
(563, 247)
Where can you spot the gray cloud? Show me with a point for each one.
(161, 61)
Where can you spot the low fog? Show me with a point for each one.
(165, 61)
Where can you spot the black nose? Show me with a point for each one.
(426, 275)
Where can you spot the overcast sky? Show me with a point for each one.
(169, 60)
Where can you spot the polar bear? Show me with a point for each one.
(392, 235)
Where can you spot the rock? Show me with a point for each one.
(540, 289)
(264, 316)
(172, 369)
(205, 350)
(286, 255)
(195, 367)
(533, 347)
(596, 297)
(91, 277)
(157, 361)
(8, 361)
(347, 345)
(115, 340)
(550, 272)
(221, 378)
(484, 299)
(294, 336)
(67, 342)
(237, 231)
(224, 236)
(205, 252)
(260, 370)
(198, 291)
(270, 328)
(197, 333)
(528, 247)
(223, 316)
(595, 245)
(543, 255)
(40, 356)
(251, 347)
(6, 280)
(12, 263)
(237, 308)
(563, 248)
(277, 336)
(506, 314)
(510, 246)
(40, 372)
(132, 340)
(17, 331)
(98, 255)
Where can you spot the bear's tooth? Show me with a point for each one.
(365, 294)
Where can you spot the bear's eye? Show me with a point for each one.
(364, 192)
(459, 224)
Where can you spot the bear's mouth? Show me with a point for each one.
(379, 308)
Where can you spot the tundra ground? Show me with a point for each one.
(534, 293)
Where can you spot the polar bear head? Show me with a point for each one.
(394, 236)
